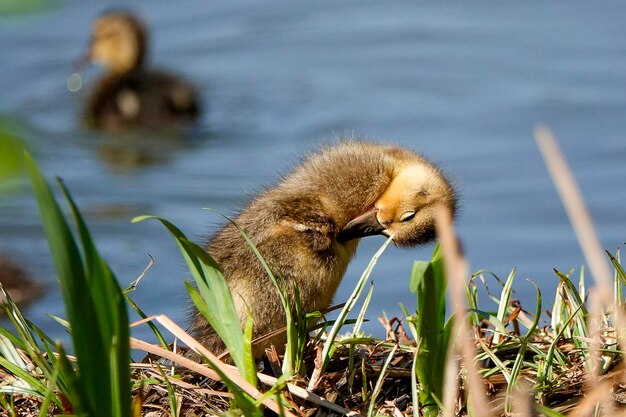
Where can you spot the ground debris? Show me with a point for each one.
(164, 390)
(22, 405)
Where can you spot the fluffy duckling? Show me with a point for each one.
(130, 96)
(308, 227)
(15, 281)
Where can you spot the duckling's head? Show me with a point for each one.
(118, 42)
(406, 208)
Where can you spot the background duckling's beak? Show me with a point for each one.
(83, 61)
(366, 224)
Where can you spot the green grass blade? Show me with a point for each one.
(619, 278)
(213, 299)
(471, 294)
(519, 359)
(49, 395)
(494, 358)
(361, 317)
(110, 308)
(230, 331)
(558, 307)
(530, 332)
(44, 361)
(69, 266)
(414, 391)
(27, 382)
(72, 380)
(552, 354)
(95, 306)
(173, 403)
(581, 284)
(295, 323)
(8, 351)
(503, 305)
(155, 330)
(343, 314)
(580, 330)
(379, 382)
(428, 281)
(618, 267)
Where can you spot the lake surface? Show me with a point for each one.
(463, 83)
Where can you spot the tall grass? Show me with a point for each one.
(430, 330)
(213, 299)
(524, 362)
(296, 320)
(96, 310)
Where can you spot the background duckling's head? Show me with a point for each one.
(406, 208)
(118, 42)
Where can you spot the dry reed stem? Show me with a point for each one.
(575, 207)
(591, 398)
(176, 358)
(450, 383)
(456, 271)
(134, 284)
(231, 373)
(189, 386)
(620, 323)
(203, 370)
(309, 396)
(594, 346)
(588, 240)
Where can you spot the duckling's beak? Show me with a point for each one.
(82, 62)
(366, 224)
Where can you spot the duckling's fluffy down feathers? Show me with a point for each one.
(130, 95)
(146, 99)
(296, 224)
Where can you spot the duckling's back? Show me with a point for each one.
(296, 225)
(130, 95)
(142, 99)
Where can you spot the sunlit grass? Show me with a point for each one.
(482, 360)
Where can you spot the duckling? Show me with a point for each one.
(308, 226)
(129, 95)
(16, 282)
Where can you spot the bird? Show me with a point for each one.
(307, 227)
(16, 282)
(129, 95)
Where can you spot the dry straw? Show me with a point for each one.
(456, 271)
(600, 298)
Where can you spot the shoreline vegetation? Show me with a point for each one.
(561, 356)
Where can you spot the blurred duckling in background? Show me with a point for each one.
(17, 283)
(129, 95)
(308, 226)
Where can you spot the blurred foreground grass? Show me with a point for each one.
(11, 157)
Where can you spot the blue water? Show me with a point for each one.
(463, 83)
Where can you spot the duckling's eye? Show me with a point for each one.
(407, 215)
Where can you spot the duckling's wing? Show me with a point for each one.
(175, 98)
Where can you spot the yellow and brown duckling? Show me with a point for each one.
(16, 282)
(308, 226)
(129, 95)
